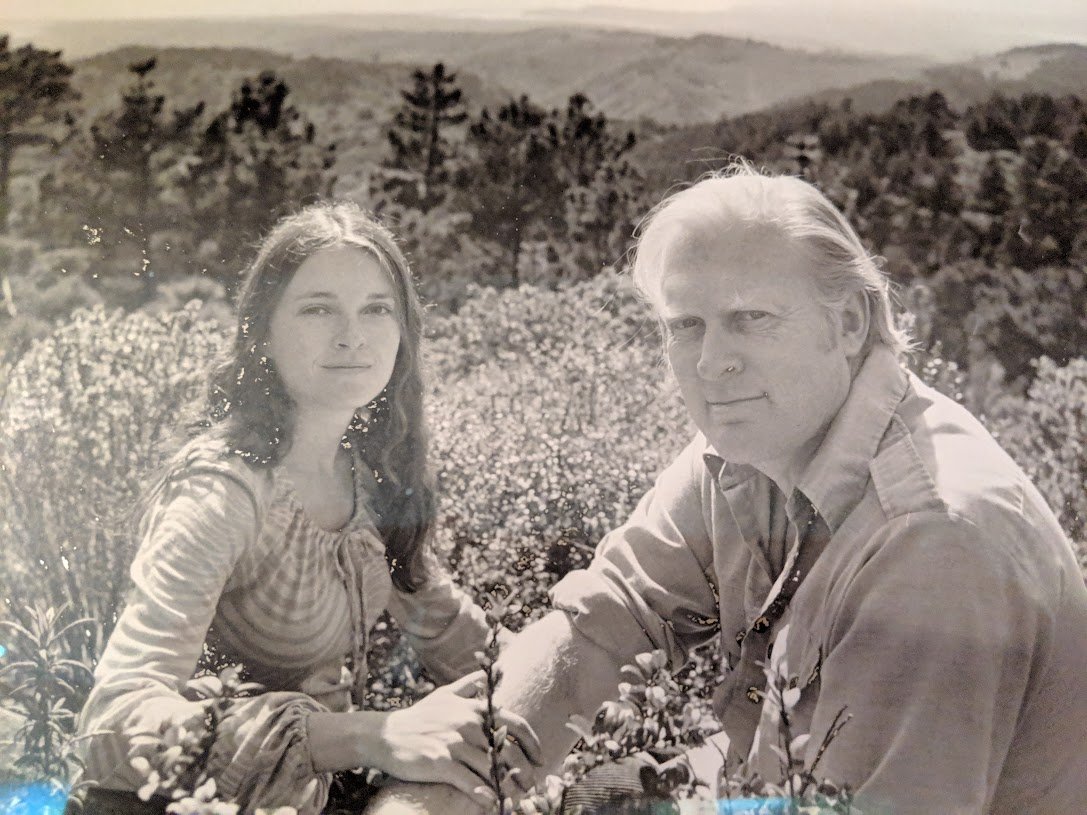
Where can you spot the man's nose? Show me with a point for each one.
(719, 358)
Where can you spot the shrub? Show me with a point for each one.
(1046, 433)
(84, 412)
(44, 689)
(551, 419)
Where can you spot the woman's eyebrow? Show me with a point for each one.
(315, 295)
(327, 295)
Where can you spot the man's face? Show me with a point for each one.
(762, 367)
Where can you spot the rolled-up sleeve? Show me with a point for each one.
(260, 757)
(930, 652)
(650, 583)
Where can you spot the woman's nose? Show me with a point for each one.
(351, 335)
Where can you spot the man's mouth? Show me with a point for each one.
(737, 401)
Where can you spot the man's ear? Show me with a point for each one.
(854, 318)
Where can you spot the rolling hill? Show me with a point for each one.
(628, 74)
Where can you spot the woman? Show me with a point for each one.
(298, 513)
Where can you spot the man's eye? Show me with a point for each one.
(683, 324)
(752, 315)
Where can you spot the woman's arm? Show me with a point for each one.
(437, 740)
(550, 671)
(195, 533)
(443, 624)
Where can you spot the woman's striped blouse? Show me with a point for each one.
(229, 557)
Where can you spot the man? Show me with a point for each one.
(834, 515)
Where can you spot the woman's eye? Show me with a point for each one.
(316, 310)
(380, 309)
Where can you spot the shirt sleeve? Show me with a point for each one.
(442, 623)
(193, 537)
(930, 652)
(650, 583)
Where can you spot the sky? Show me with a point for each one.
(939, 29)
(142, 9)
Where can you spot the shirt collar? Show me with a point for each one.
(835, 479)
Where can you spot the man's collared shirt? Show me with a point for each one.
(945, 609)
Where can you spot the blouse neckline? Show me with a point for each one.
(360, 513)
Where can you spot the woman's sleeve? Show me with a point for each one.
(442, 623)
(193, 538)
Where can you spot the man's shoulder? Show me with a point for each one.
(938, 458)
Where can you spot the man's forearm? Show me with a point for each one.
(549, 672)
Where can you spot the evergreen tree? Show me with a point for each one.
(112, 188)
(509, 185)
(602, 189)
(35, 91)
(255, 161)
(993, 196)
(420, 150)
(992, 125)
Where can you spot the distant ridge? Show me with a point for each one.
(627, 74)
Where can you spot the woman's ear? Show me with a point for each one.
(854, 318)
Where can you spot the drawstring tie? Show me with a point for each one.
(352, 580)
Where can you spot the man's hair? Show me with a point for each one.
(741, 196)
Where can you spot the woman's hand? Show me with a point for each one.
(441, 739)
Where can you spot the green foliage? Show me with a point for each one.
(111, 187)
(420, 149)
(1046, 433)
(156, 193)
(35, 91)
(651, 727)
(45, 687)
(551, 391)
(255, 161)
(555, 178)
(84, 413)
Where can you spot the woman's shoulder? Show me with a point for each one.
(208, 456)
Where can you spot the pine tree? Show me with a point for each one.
(509, 185)
(112, 187)
(420, 149)
(35, 91)
(993, 196)
(254, 162)
(602, 197)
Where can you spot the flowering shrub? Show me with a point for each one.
(1046, 433)
(551, 418)
(83, 414)
(650, 729)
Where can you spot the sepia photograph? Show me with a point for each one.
(543, 407)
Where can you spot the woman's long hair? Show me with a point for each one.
(248, 407)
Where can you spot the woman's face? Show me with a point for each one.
(335, 332)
